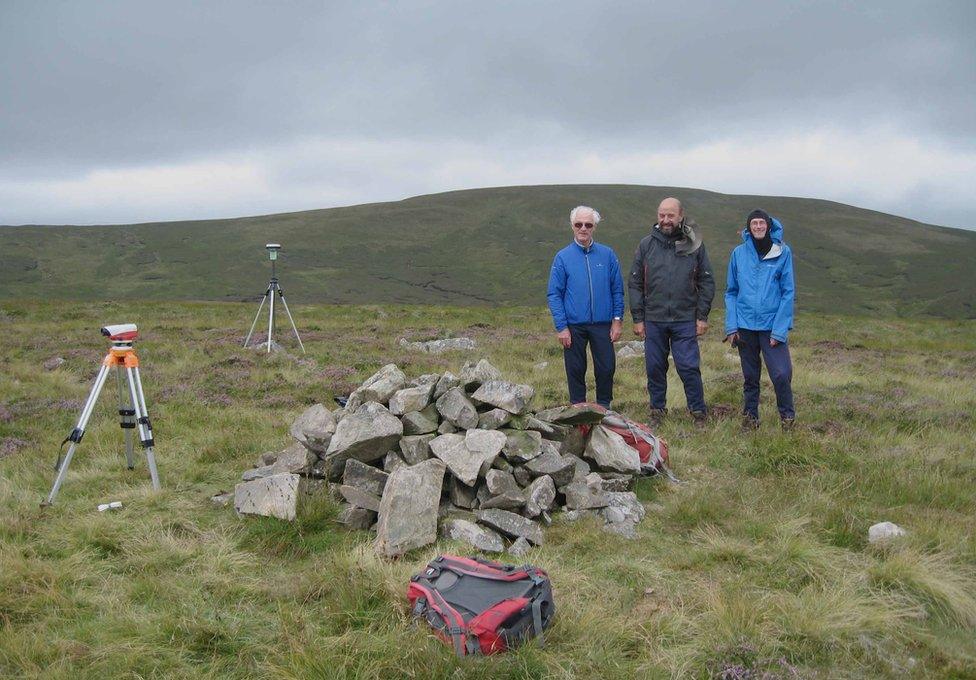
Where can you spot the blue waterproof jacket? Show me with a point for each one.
(759, 294)
(585, 286)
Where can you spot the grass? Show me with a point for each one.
(757, 563)
(467, 247)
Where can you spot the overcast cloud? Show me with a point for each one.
(128, 111)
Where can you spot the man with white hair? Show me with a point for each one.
(586, 299)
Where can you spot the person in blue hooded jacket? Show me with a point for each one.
(759, 298)
(586, 299)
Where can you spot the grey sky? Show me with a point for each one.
(128, 111)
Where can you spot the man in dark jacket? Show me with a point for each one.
(586, 299)
(671, 290)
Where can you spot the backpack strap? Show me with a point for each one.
(537, 621)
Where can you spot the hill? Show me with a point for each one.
(484, 246)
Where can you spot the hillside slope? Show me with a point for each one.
(484, 246)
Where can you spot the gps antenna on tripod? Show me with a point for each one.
(269, 297)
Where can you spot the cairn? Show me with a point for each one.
(463, 456)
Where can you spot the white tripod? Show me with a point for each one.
(269, 296)
(132, 407)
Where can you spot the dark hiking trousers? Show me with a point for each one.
(597, 336)
(681, 340)
(752, 344)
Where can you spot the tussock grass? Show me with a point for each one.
(758, 562)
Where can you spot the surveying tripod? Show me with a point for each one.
(132, 406)
(269, 296)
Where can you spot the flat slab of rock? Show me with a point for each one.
(519, 548)
(504, 395)
(493, 419)
(364, 477)
(446, 382)
(455, 407)
(540, 496)
(478, 537)
(367, 434)
(379, 387)
(438, 346)
(416, 448)
(257, 473)
(275, 496)
(630, 350)
(356, 518)
(465, 463)
(610, 452)
(579, 496)
(360, 498)
(409, 507)
(314, 428)
(552, 464)
(883, 531)
(474, 374)
(511, 524)
(421, 422)
(521, 446)
(411, 399)
(576, 414)
(296, 459)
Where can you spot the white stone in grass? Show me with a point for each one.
(882, 531)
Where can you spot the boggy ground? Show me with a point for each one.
(757, 564)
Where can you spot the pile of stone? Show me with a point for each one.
(463, 455)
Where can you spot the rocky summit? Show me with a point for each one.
(461, 457)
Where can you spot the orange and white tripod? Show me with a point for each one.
(132, 407)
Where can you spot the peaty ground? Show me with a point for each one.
(758, 563)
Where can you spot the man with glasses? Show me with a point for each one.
(671, 290)
(586, 299)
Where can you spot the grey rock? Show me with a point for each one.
(257, 473)
(267, 458)
(478, 537)
(295, 459)
(461, 495)
(630, 350)
(356, 518)
(541, 365)
(521, 446)
(360, 498)
(446, 427)
(571, 440)
(425, 379)
(505, 395)
(610, 452)
(447, 510)
(474, 374)
(482, 495)
(520, 547)
(582, 468)
(314, 428)
(391, 461)
(551, 463)
(884, 531)
(519, 422)
(493, 419)
(582, 497)
(455, 406)
(485, 442)
(420, 422)
(446, 382)
(511, 524)
(547, 430)
(416, 448)
(616, 481)
(411, 399)
(594, 481)
(379, 387)
(627, 504)
(438, 346)
(364, 477)
(466, 463)
(53, 363)
(278, 496)
(576, 414)
(409, 507)
(367, 434)
(222, 499)
(501, 464)
(507, 500)
(522, 476)
(540, 496)
(499, 482)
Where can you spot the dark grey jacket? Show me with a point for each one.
(671, 279)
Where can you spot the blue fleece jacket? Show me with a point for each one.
(585, 285)
(759, 294)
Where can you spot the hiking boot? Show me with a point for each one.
(787, 424)
(749, 423)
(700, 418)
(655, 417)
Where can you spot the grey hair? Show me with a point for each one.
(581, 208)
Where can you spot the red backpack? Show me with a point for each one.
(651, 449)
(482, 606)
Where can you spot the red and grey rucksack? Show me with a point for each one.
(651, 449)
(481, 606)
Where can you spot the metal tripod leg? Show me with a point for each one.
(127, 419)
(79, 431)
(255, 322)
(293, 326)
(271, 297)
(142, 420)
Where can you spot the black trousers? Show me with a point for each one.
(752, 345)
(597, 336)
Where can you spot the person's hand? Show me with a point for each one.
(701, 327)
(639, 329)
(615, 328)
(732, 338)
(773, 342)
(565, 339)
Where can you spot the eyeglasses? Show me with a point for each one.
(583, 225)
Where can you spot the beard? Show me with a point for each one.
(667, 228)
